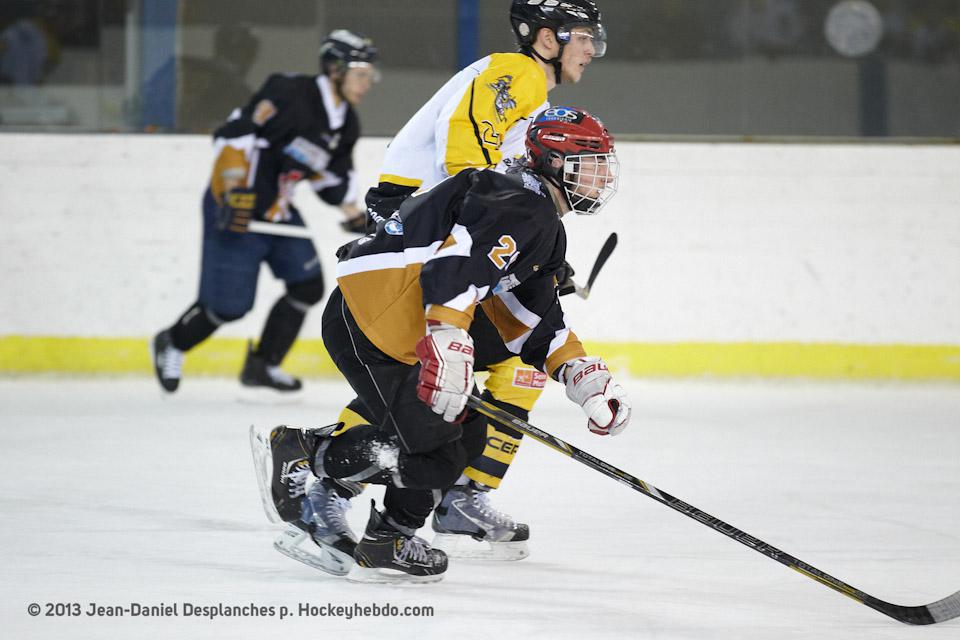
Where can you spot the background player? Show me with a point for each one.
(296, 127)
(396, 327)
(478, 119)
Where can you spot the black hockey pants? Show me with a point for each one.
(431, 453)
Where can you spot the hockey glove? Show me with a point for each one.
(446, 369)
(565, 283)
(604, 401)
(356, 224)
(236, 210)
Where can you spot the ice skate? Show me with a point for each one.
(281, 459)
(167, 361)
(321, 538)
(264, 382)
(466, 525)
(389, 553)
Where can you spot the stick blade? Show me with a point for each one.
(939, 611)
(946, 609)
(602, 257)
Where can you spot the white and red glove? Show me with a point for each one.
(604, 401)
(446, 369)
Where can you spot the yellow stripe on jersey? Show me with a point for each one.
(400, 180)
(387, 305)
(570, 349)
(457, 318)
(508, 326)
(231, 165)
(505, 93)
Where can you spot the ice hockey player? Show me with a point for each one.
(478, 119)
(396, 327)
(295, 127)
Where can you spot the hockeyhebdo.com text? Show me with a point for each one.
(226, 611)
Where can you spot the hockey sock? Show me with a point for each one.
(501, 448)
(281, 330)
(194, 326)
(408, 507)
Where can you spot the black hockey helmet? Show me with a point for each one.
(343, 49)
(527, 17)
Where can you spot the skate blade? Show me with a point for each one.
(369, 575)
(466, 548)
(298, 545)
(263, 467)
(268, 396)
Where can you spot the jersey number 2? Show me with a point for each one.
(502, 255)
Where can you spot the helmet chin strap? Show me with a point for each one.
(553, 62)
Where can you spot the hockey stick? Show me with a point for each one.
(939, 611)
(279, 229)
(601, 260)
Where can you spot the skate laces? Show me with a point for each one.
(481, 502)
(414, 550)
(297, 480)
(336, 510)
(171, 362)
(280, 376)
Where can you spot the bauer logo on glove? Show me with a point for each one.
(604, 401)
(446, 369)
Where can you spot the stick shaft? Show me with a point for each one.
(939, 611)
(279, 229)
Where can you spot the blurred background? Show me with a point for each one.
(703, 68)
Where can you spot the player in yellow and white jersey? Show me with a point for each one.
(477, 120)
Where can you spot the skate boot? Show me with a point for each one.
(321, 538)
(257, 373)
(167, 361)
(281, 459)
(391, 553)
(468, 526)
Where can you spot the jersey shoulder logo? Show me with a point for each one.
(532, 184)
(504, 253)
(264, 110)
(503, 101)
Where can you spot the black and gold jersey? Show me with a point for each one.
(479, 237)
(291, 129)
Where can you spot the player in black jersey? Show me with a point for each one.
(397, 328)
(294, 128)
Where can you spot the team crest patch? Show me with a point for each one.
(529, 378)
(263, 112)
(393, 227)
(503, 101)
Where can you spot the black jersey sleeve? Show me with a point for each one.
(338, 182)
(270, 114)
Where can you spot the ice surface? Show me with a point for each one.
(114, 495)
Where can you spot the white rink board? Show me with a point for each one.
(718, 242)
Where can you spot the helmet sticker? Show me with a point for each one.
(563, 114)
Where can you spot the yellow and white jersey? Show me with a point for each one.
(479, 117)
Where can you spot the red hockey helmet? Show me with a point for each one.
(574, 151)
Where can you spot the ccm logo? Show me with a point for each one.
(593, 367)
(465, 349)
